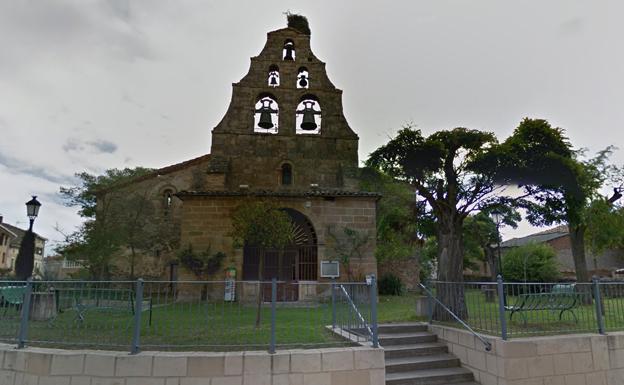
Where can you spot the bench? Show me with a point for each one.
(561, 298)
(96, 299)
(12, 295)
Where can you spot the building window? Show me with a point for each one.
(287, 175)
(303, 78)
(308, 113)
(288, 52)
(274, 77)
(266, 115)
(167, 200)
(38, 251)
(3, 258)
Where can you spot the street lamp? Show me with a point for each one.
(497, 217)
(32, 210)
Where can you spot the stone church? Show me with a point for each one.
(284, 138)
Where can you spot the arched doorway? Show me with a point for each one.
(298, 262)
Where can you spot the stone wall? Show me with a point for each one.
(579, 359)
(206, 223)
(335, 366)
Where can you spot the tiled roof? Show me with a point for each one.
(541, 237)
(160, 171)
(19, 233)
(283, 193)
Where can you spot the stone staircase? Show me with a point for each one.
(415, 357)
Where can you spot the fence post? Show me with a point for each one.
(429, 302)
(373, 299)
(273, 310)
(138, 307)
(23, 328)
(333, 302)
(598, 302)
(501, 306)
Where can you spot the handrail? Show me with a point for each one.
(370, 331)
(488, 345)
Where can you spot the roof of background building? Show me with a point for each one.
(19, 234)
(542, 236)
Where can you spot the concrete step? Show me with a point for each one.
(428, 348)
(442, 376)
(387, 339)
(433, 361)
(402, 328)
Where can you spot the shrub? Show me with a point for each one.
(390, 284)
(537, 259)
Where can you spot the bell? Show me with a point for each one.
(273, 81)
(265, 119)
(303, 82)
(308, 123)
(289, 52)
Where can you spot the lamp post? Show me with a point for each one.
(25, 260)
(32, 210)
(497, 217)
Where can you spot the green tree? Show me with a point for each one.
(453, 172)
(535, 262)
(262, 224)
(121, 221)
(605, 226)
(558, 182)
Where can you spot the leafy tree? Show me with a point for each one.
(25, 262)
(605, 227)
(351, 244)
(121, 222)
(262, 224)
(560, 185)
(535, 262)
(399, 227)
(453, 171)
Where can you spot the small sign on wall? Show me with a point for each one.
(330, 269)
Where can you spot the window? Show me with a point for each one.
(3, 258)
(288, 53)
(274, 78)
(308, 113)
(303, 78)
(167, 200)
(287, 176)
(266, 115)
(38, 251)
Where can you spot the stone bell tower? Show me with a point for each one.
(284, 128)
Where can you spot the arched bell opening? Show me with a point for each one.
(288, 53)
(303, 78)
(266, 114)
(274, 76)
(308, 120)
(296, 262)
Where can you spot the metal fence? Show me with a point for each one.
(510, 309)
(188, 315)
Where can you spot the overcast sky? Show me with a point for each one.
(91, 85)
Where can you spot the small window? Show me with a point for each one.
(287, 176)
(274, 77)
(266, 115)
(303, 78)
(289, 50)
(167, 200)
(308, 119)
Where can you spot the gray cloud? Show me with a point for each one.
(16, 166)
(103, 146)
(97, 146)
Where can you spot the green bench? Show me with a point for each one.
(12, 295)
(561, 298)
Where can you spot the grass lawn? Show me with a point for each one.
(229, 326)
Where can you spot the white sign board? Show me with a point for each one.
(330, 269)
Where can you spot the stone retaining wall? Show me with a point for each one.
(335, 366)
(579, 359)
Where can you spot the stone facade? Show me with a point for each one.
(335, 366)
(579, 359)
(311, 173)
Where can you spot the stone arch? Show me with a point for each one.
(288, 52)
(286, 174)
(308, 115)
(273, 76)
(266, 114)
(303, 78)
(298, 262)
